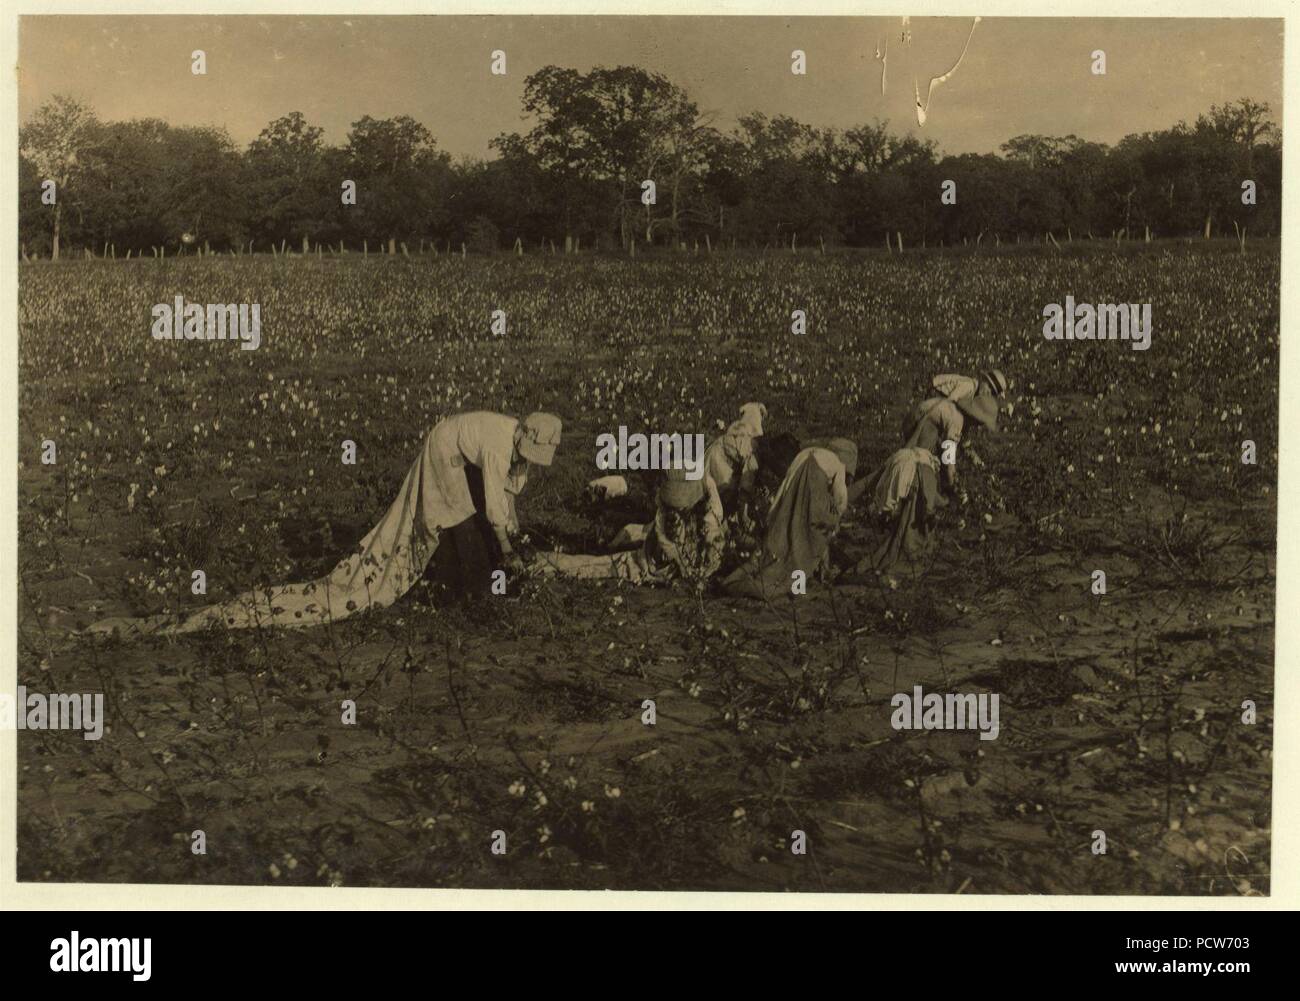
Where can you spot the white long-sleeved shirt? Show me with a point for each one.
(486, 440)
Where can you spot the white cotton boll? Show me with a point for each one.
(608, 487)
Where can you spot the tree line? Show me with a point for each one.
(577, 176)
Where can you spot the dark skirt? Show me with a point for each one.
(467, 553)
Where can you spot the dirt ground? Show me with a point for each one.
(1119, 713)
(1144, 714)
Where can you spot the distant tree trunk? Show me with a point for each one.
(306, 246)
(392, 246)
(54, 244)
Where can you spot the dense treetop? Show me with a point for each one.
(577, 172)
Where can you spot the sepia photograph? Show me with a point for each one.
(818, 454)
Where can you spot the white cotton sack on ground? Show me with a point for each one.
(629, 536)
(608, 487)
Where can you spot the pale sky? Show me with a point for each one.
(1020, 75)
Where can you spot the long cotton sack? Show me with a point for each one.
(384, 566)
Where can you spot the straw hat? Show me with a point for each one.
(537, 437)
(841, 448)
(751, 419)
(846, 452)
(996, 380)
(679, 493)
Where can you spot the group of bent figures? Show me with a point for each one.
(458, 501)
